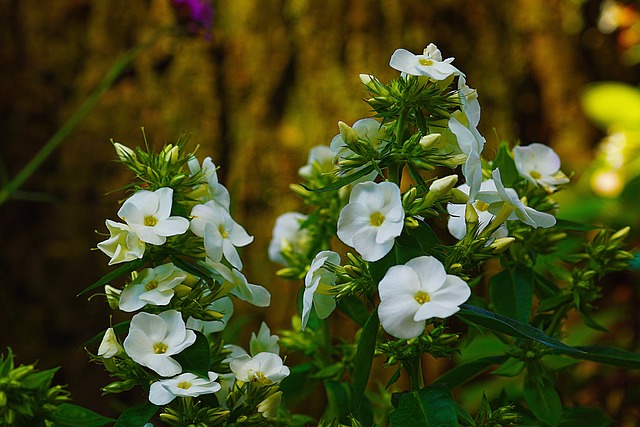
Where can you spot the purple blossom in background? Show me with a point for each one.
(196, 16)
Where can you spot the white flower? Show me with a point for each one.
(148, 214)
(288, 234)
(215, 191)
(428, 64)
(463, 124)
(240, 287)
(266, 368)
(264, 341)
(457, 224)
(320, 157)
(508, 197)
(220, 232)
(153, 286)
(154, 338)
(316, 283)
(416, 291)
(184, 385)
(109, 346)
(223, 305)
(269, 406)
(539, 164)
(123, 245)
(372, 219)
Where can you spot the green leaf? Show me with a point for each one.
(431, 406)
(609, 356)
(504, 161)
(590, 321)
(299, 384)
(197, 357)
(187, 266)
(120, 271)
(68, 415)
(364, 357)
(506, 325)
(542, 397)
(511, 368)
(394, 378)
(512, 293)
(339, 401)
(567, 225)
(553, 302)
(355, 309)
(137, 416)
(344, 180)
(39, 379)
(582, 416)
(467, 371)
(612, 103)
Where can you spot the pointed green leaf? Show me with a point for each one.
(512, 293)
(339, 401)
(609, 356)
(68, 415)
(197, 357)
(355, 309)
(543, 399)
(553, 302)
(431, 406)
(504, 161)
(582, 416)
(506, 325)
(344, 180)
(137, 416)
(568, 225)
(511, 368)
(299, 384)
(364, 357)
(120, 271)
(40, 379)
(468, 371)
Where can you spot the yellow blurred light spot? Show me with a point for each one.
(607, 183)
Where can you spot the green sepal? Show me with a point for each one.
(344, 180)
(120, 271)
(69, 415)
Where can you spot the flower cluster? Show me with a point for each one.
(179, 249)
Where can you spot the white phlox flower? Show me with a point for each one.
(320, 157)
(223, 305)
(416, 291)
(148, 213)
(220, 232)
(288, 234)
(154, 286)
(265, 368)
(264, 341)
(109, 346)
(183, 385)
(317, 283)
(457, 224)
(239, 286)
(539, 164)
(123, 244)
(215, 191)
(372, 219)
(502, 197)
(464, 125)
(429, 64)
(154, 338)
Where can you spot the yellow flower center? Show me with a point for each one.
(151, 285)
(535, 174)
(160, 348)
(150, 221)
(224, 233)
(184, 385)
(376, 219)
(481, 206)
(426, 62)
(422, 297)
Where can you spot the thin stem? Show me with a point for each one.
(395, 170)
(413, 367)
(114, 72)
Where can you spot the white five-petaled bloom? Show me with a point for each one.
(153, 286)
(317, 282)
(416, 291)
(464, 125)
(372, 219)
(288, 234)
(184, 385)
(539, 164)
(264, 341)
(220, 232)
(123, 244)
(239, 286)
(502, 197)
(428, 64)
(109, 346)
(154, 338)
(148, 213)
(265, 368)
(457, 224)
(214, 190)
(320, 157)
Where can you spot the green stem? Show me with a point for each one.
(413, 367)
(395, 170)
(114, 72)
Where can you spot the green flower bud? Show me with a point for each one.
(348, 135)
(119, 386)
(428, 142)
(441, 187)
(458, 196)
(620, 234)
(299, 190)
(500, 245)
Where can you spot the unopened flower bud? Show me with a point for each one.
(623, 255)
(620, 234)
(441, 187)
(411, 222)
(556, 237)
(458, 196)
(169, 418)
(113, 296)
(119, 386)
(269, 406)
(470, 215)
(299, 190)
(367, 80)
(427, 142)
(455, 268)
(500, 245)
(172, 155)
(348, 135)
(20, 372)
(181, 290)
(409, 196)
(125, 154)
(3, 399)
(353, 271)
(211, 315)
